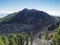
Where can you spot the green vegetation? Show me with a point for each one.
(7, 18)
(27, 39)
(56, 37)
(43, 43)
(15, 39)
(31, 38)
(23, 39)
(46, 34)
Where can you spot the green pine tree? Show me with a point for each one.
(31, 38)
(27, 39)
(46, 34)
(21, 40)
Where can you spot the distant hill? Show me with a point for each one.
(8, 17)
(58, 17)
(27, 20)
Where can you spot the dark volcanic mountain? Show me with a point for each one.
(26, 21)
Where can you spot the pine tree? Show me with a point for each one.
(31, 38)
(27, 40)
(46, 34)
(12, 42)
(56, 37)
(21, 40)
(5, 40)
(1, 41)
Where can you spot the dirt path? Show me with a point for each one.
(41, 41)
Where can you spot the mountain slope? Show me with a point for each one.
(29, 16)
(26, 21)
(8, 17)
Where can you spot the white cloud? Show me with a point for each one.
(4, 13)
(7, 11)
(54, 13)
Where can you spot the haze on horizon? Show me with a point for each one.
(52, 7)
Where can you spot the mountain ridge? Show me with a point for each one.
(27, 20)
(25, 12)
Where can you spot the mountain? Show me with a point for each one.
(58, 17)
(27, 20)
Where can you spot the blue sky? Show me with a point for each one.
(50, 6)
